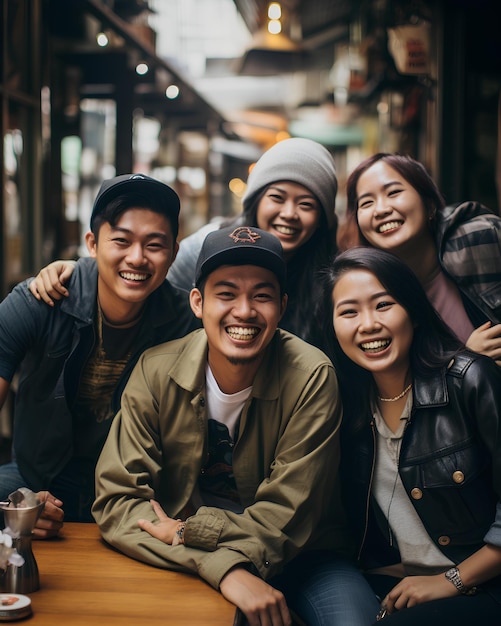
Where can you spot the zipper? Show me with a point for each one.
(367, 503)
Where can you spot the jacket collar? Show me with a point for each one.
(189, 372)
(452, 216)
(162, 304)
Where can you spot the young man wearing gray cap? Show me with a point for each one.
(74, 359)
(223, 458)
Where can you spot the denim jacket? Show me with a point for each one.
(49, 346)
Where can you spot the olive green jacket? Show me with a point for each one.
(285, 461)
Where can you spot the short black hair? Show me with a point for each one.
(116, 207)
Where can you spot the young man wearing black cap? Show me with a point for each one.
(223, 458)
(75, 358)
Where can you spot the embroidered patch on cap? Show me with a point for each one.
(246, 234)
(249, 245)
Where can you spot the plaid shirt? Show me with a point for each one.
(468, 238)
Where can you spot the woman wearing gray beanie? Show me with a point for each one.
(291, 192)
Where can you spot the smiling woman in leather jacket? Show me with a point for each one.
(421, 467)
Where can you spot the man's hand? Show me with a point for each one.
(262, 604)
(48, 284)
(166, 527)
(486, 339)
(414, 590)
(50, 521)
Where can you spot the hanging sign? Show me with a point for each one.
(410, 48)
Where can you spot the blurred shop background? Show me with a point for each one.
(193, 91)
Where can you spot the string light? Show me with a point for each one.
(274, 11)
(274, 15)
(172, 92)
(102, 39)
(142, 69)
(274, 27)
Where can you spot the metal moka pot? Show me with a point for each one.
(20, 520)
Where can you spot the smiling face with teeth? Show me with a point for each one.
(133, 258)
(372, 328)
(240, 307)
(391, 214)
(290, 212)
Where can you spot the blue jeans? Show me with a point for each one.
(327, 590)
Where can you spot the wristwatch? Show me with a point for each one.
(453, 576)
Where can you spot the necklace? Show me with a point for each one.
(126, 324)
(400, 395)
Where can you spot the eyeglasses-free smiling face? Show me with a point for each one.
(240, 309)
(391, 214)
(372, 328)
(133, 257)
(290, 212)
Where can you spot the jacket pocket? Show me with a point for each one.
(458, 497)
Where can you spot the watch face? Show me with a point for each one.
(454, 577)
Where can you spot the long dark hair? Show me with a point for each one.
(305, 308)
(433, 344)
(411, 170)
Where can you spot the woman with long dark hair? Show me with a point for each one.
(455, 251)
(421, 447)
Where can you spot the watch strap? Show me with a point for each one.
(454, 577)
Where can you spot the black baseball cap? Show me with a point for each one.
(165, 196)
(244, 245)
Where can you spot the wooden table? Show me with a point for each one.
(85, 582)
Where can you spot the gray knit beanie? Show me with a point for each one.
(302, 161)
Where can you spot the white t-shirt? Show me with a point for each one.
(225, 409)
(418, 553)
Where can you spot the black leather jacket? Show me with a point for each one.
(450, 464)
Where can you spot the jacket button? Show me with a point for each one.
(458, 477)
(202, 401)
(267, 564)
(416, 493)
(444, 540)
